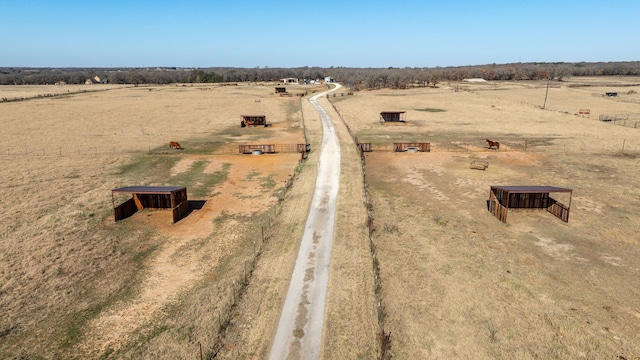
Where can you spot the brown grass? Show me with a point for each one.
(74, 283)
(457, 283)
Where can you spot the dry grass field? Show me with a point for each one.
(74, 284)
(457, 282)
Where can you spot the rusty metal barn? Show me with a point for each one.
(393, 116)
(503, 198)
(152, 197)
(412, 147)
(253, 120)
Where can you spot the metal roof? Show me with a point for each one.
(148, 189)
(393, 112)
(531, 189)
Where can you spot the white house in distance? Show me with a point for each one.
(328, 79)
(289, 80)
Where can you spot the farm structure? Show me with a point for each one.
(257, 149)
(393, 116)
(503, 198)
(253, 120)
(395, 147)
(151, 197)
(281, 90)
(289, 80)
(479, 165)
(274, 148)
(412, 147)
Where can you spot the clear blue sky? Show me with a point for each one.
(285, 33)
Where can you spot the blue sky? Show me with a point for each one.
(284, 33)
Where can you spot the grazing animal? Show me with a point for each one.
(175, 145)
(493, 144)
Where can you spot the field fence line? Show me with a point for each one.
(48, 151)
(244, 268)
(628, 120)
(383, 337)
(610, 146)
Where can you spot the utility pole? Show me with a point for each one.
(547, 93)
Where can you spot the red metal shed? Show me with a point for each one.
(503, 198)
(151, 197)
(393, 116)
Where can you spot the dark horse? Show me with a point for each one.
(493, 144)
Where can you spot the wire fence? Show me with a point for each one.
(437, 144)
(383, 337)
(206, 149)
(260, 236)
(609, 146)
(628, 120)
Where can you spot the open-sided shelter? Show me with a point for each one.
(253, 120)
(393, 116)
(503, 198)
(152, 197)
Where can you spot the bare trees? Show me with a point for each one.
(355, 78)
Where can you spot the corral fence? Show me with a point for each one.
(628, 120)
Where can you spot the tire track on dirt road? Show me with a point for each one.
(299, 334)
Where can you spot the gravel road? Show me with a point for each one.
(299, 334)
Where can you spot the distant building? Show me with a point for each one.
(95, 80)
(328, 79)
(289, 80)
(475, 80)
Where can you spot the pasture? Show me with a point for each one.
(455, 281)
(75, 284)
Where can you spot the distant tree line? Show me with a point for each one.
(355, 78)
